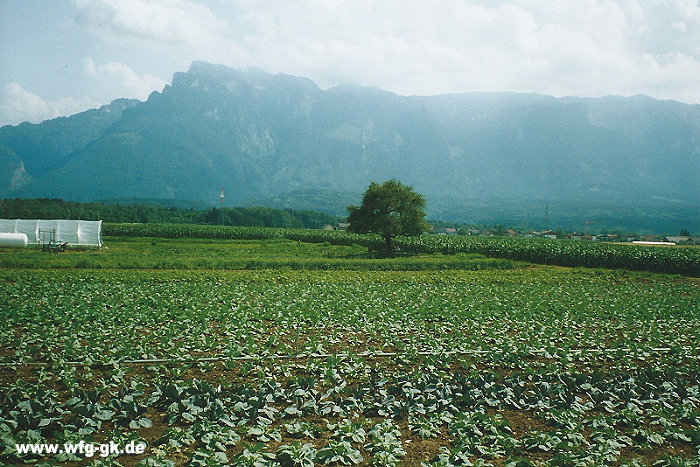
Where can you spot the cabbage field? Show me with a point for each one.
(257, 353)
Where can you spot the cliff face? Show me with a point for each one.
(259, 135)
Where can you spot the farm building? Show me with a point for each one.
(683, 240)
(72, 233)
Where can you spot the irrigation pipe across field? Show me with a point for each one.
(339, 355)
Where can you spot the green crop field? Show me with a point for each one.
(253, 348)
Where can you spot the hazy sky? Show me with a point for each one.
(59, 57)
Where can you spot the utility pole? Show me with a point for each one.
(590, 222)
(221, 210)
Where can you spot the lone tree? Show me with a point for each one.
(389, 209)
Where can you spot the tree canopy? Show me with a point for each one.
(390, 209)
(247, 216)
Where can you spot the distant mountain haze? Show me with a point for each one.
(266, 137)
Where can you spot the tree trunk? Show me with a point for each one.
(389, 246)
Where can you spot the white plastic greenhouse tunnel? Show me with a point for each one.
(73, 233)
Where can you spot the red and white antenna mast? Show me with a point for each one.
(221, 199)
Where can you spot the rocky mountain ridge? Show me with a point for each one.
(259, 136)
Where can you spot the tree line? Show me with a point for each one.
(43, 208)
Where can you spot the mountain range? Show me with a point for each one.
(280, 139)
